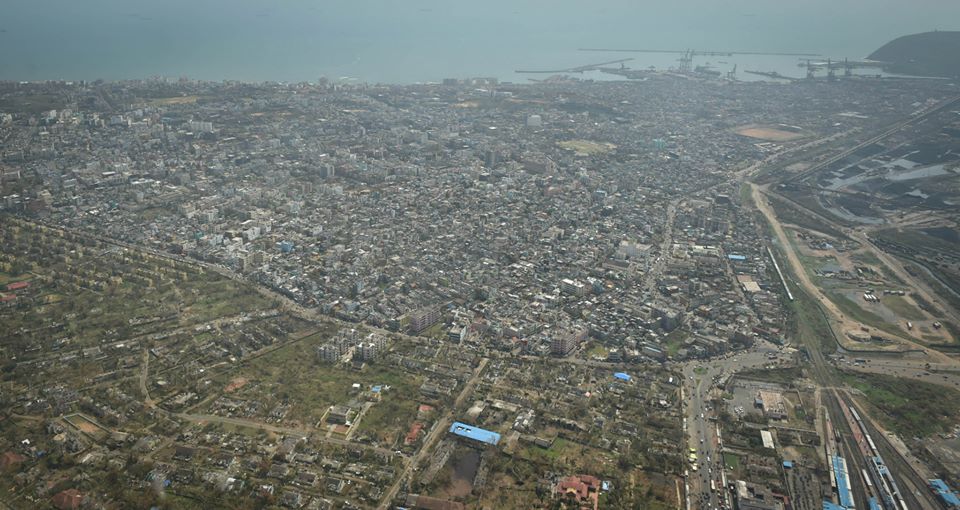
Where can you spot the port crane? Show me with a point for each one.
(687, 56)
(732, 74)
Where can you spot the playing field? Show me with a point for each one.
(770, 133)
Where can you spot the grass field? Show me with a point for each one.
(587, 147)
(731, 461)
(910, 408)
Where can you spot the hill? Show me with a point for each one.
(926, 54)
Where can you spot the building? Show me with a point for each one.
(330, 353)
(474, 434)
(371, 348)
(10, 460)
(572, 287)
(69, 499)
(583, 491)
(772, 404)
(750, 496)
(339, 414)
(423, 318)
(944, 493)
(366, 351)
(563, 343)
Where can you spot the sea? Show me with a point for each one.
(410, 41)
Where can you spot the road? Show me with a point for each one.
(699, 377)
(862, 235)
(934, 373)
(656, 269)
(438, 430)
(838, 322)
(144, 371)
(826, 378)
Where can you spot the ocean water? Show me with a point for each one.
(428, 40)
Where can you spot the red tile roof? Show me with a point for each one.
(69, 499)
(10, 459)
(413, 434)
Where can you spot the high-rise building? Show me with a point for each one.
(564, 342)
(423, 318)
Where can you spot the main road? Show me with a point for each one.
(699, 377)
(438, 430)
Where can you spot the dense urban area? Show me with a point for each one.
(675, 291)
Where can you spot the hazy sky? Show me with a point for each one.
(384, 39)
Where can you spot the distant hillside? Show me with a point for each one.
(926, 54)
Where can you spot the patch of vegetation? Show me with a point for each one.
(807, 323)
(674, 341)
(746, 195)
(31, 103)
(911, 408)
(903, 308)
(731, 461)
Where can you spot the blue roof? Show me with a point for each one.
(622, 376)
(945, 493)
(873, 504)
(475, 433)
(736, 257)
(376, 389)
(830, 505)
(788, 464)
(843, 481)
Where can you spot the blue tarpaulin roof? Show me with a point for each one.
(830, 505)
(788, 464)
(622, 376)
(475, 433)
(740, 258)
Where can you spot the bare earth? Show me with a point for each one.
(768, 133)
